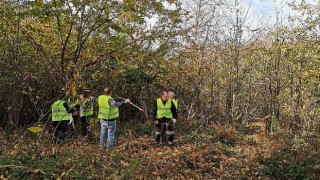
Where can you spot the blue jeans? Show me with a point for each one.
(108, 129)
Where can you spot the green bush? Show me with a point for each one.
(296, 159)
(286, 169)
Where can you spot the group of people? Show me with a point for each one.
(65, 113)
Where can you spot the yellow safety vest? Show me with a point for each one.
(175, 102)
(87, 107)
(59, 112)
(164, 110)
(105, 110)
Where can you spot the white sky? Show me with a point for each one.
(261, 15)
(268, 8)
(261, 8)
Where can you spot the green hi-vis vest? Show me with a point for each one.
(73, 103)
(164, 110)
(175, 102)
(59, 112)
(87, 107)
(105, 110)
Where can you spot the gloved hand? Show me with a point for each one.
(156, 122)
(174, 121)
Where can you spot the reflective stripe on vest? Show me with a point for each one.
(59, 112)
(105, 110)
(87, 107)
(164, 110)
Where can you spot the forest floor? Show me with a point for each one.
(212, 152)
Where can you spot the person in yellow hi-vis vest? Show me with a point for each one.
(165, 114)
(108, 114)
(174, 100)
(61, 113)
(86, 111)
(74, 102)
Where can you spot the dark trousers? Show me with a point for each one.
(164, 130)
(60, 129)
(84, 125)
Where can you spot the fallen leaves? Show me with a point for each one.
(196, 156)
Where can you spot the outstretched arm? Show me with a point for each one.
(69, 110)
(112, 102)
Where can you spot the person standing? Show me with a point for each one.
(108, 114)
(74, 103)
(174, 100)
(165, 114)
(86, 111)
(61, 113)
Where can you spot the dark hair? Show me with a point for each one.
(107, 91)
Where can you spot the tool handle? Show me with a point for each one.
(132, 104)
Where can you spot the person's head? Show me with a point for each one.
(171, 95)
(82, 96)
(165, 95)
(85, 93)
(62, 93)
(107, 91)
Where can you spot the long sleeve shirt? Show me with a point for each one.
(111, 101)
(69, 110)
(173, 110)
